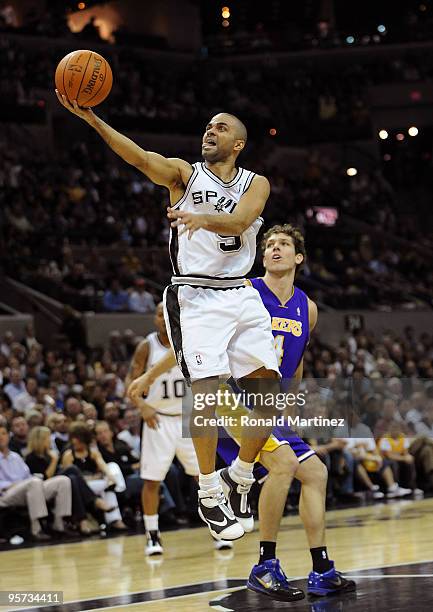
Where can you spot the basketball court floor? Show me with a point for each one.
(386, 548)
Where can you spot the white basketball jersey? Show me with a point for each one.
(165, 395)
(209, 259)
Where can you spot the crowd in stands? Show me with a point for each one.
(54, 225)
(64, 415)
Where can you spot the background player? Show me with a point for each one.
(162, 428)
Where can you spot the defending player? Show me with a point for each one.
(162, 428)
(216, 325)
(294, 316)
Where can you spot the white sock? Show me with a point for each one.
(58, 523)
(241, 469)
(35, 527)
(150, 522)
(393, 487)
(208, 481)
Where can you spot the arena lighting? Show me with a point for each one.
(225, 12)
(350, 40)
(413, 131)
(400, 136)
(383, 134)
(387, 157)
(225, 23)
(81, 5)
(273, 132)
(381, 29)
(351, 171)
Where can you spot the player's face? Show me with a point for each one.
(280, 254)
(220, 139)
(159, 320)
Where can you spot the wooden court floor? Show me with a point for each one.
(114, 573)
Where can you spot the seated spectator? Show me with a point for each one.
(43, 461)
(424, 427)
(394, 446)
(115, 298)
(141, 300)
(35, 418)
(114, 450)
(19, 488)
(28, 398)
(132, 434)
(19, 435)
(73, 408)
(373, 469)
(29, 341)
(96, 472)
(111, 414)
(15, 386)
(422, 450)
(58, 424)
(390, 414)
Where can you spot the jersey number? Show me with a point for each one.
(229, 244)
(177, 391)
(279, 344)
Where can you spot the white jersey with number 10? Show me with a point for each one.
(165, 395)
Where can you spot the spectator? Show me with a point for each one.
(73, 408)
(141, 300)
(28, 399)
(115, 298)
(20, 432)
(132, 433)
(111, 415)
(58, 424)
(394, 446)
(19, 488)
(95, 471)
(16, 386)
(114, 450)
(42, 460)
(29, 341)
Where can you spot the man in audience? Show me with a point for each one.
(20, 431)
(141, 300)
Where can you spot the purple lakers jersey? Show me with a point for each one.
(290, 326)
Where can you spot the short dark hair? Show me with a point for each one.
(81, 432)
(294, 233)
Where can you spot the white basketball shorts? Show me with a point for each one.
(216, 332)
(160, 446)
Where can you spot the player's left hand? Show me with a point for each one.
(191, 221)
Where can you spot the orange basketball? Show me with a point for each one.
(84, 76)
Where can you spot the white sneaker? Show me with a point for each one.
(223, 545)
(213, 510)
(236, 494)
(153, 544)
(377, 493)
(397, 491)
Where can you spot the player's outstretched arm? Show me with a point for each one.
(141, 385)
(249, 208)
(169, 172)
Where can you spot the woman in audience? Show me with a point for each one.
(87, 458)
(43, 460)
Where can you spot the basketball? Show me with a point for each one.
(84, 76)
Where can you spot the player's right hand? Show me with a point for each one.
(84, 113)
(139, 387)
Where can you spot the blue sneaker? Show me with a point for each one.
(329, 582)
(269, 579)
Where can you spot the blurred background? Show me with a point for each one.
(337, 99)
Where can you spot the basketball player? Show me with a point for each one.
(162, 428)
(285, 455)
(217, 326)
